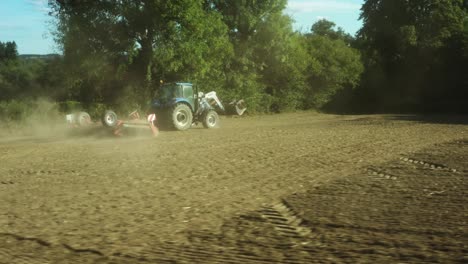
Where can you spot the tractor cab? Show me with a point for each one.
(173, 93)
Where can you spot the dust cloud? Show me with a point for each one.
(41, 119)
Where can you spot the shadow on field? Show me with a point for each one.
(431, 119)
(96, 132)
(100, 132)
(364, 119)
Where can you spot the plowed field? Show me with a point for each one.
(289, 188)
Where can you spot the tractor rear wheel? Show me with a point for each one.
(181, 117)
(83, 119)
(210, 119)
(109, 119)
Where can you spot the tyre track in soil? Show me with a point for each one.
(310, 165)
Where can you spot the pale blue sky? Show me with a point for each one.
(27, 23)
(345, 13)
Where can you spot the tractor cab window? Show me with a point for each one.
(166, 92)
(178, 91)
(188, 92)
(169, 91)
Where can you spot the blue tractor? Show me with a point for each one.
(179, 105)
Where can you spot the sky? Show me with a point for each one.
(345, 13)
(28, 24)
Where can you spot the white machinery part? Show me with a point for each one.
(151, 118)
(212, 96)
(70, 118)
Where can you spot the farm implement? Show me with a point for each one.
(177, 106)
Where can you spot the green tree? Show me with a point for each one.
(16, 77)
(111, 46)
(264, 47)
(326, 28)
(20, 79)
(8, 51)
(332, 65)
(243, 17)
(404, 44)
(282, 60)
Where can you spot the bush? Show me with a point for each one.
(15, 110)
(96, 110)
(22, 111)
(70, 106)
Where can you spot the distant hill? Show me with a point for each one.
(39, 56)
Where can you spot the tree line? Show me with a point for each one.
(409, 56)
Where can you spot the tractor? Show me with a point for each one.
(179, 105)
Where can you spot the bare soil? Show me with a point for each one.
(289, 188)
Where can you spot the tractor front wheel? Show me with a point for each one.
(210, 119)
(182, 117)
